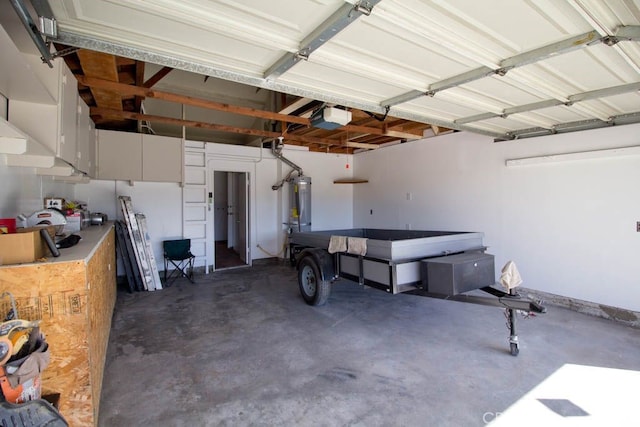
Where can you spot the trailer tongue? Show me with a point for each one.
(437, 264)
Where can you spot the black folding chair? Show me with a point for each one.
(178, 253)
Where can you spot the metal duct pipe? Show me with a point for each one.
(276, 151)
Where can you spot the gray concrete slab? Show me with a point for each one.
(240, 347)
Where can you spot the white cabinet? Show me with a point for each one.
(52, 124)
(63, 127)
(85, 141)
(68, 113)
(161, 158)
(119, 155)
(128, 156)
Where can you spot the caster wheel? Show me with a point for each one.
(514, 349)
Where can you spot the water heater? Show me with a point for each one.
(300, 203)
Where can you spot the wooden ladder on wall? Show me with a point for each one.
(196, 201)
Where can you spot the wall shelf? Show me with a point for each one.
(350, 181)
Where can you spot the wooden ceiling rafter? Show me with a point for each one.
(188, 100)
(120, 86)
(134, 90)
(129, 115)
(155, 78)
(104, 67)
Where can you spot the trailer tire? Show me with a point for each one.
(313, 287)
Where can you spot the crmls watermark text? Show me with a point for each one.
(487, 417)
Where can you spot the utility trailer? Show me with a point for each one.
(438, 264)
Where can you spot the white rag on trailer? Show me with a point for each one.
(510, 277)
(352, 245)
(357, 245)
(337, 244)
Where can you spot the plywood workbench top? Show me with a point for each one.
(92, 237)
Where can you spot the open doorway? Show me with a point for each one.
(230, 217)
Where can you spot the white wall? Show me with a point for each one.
(570, 226)
(160, 202)
(22, 191)
(263, 228)
(331, 204)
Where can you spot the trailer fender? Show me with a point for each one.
(323, 260)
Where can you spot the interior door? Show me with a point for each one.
(220, 206)
(242, 198)
(231, 209)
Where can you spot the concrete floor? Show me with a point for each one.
(240, 347)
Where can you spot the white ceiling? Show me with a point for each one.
(403, 49)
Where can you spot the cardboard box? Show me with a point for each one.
(24, 246)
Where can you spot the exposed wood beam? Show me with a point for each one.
(402, 135)
(123, 89)
(156, 77)
(300, 102)
(362, 129)
(361, 145)
(381, 132)
(101, 66)
(139, 73)
(117, 114)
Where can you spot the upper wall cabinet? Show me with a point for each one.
(161, 158)
(119, 155)
(57, 125)
(47, 123)
(139, 157)
(68, 116)
(19, 78)
(85, 141)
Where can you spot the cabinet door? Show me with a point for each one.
(83, 139)
(119, 155)
(68, 117)
(161, 158)
(93, 149)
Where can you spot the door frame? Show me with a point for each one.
(218, 165)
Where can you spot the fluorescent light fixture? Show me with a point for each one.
(582, 155)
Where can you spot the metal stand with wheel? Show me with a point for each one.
(513, 338)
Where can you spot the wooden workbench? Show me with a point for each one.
(74, 295)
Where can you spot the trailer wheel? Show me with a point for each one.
(314, 289)
(514, 349)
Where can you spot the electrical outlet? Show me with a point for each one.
(409, 196)
(407, 226)
(638, 226)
